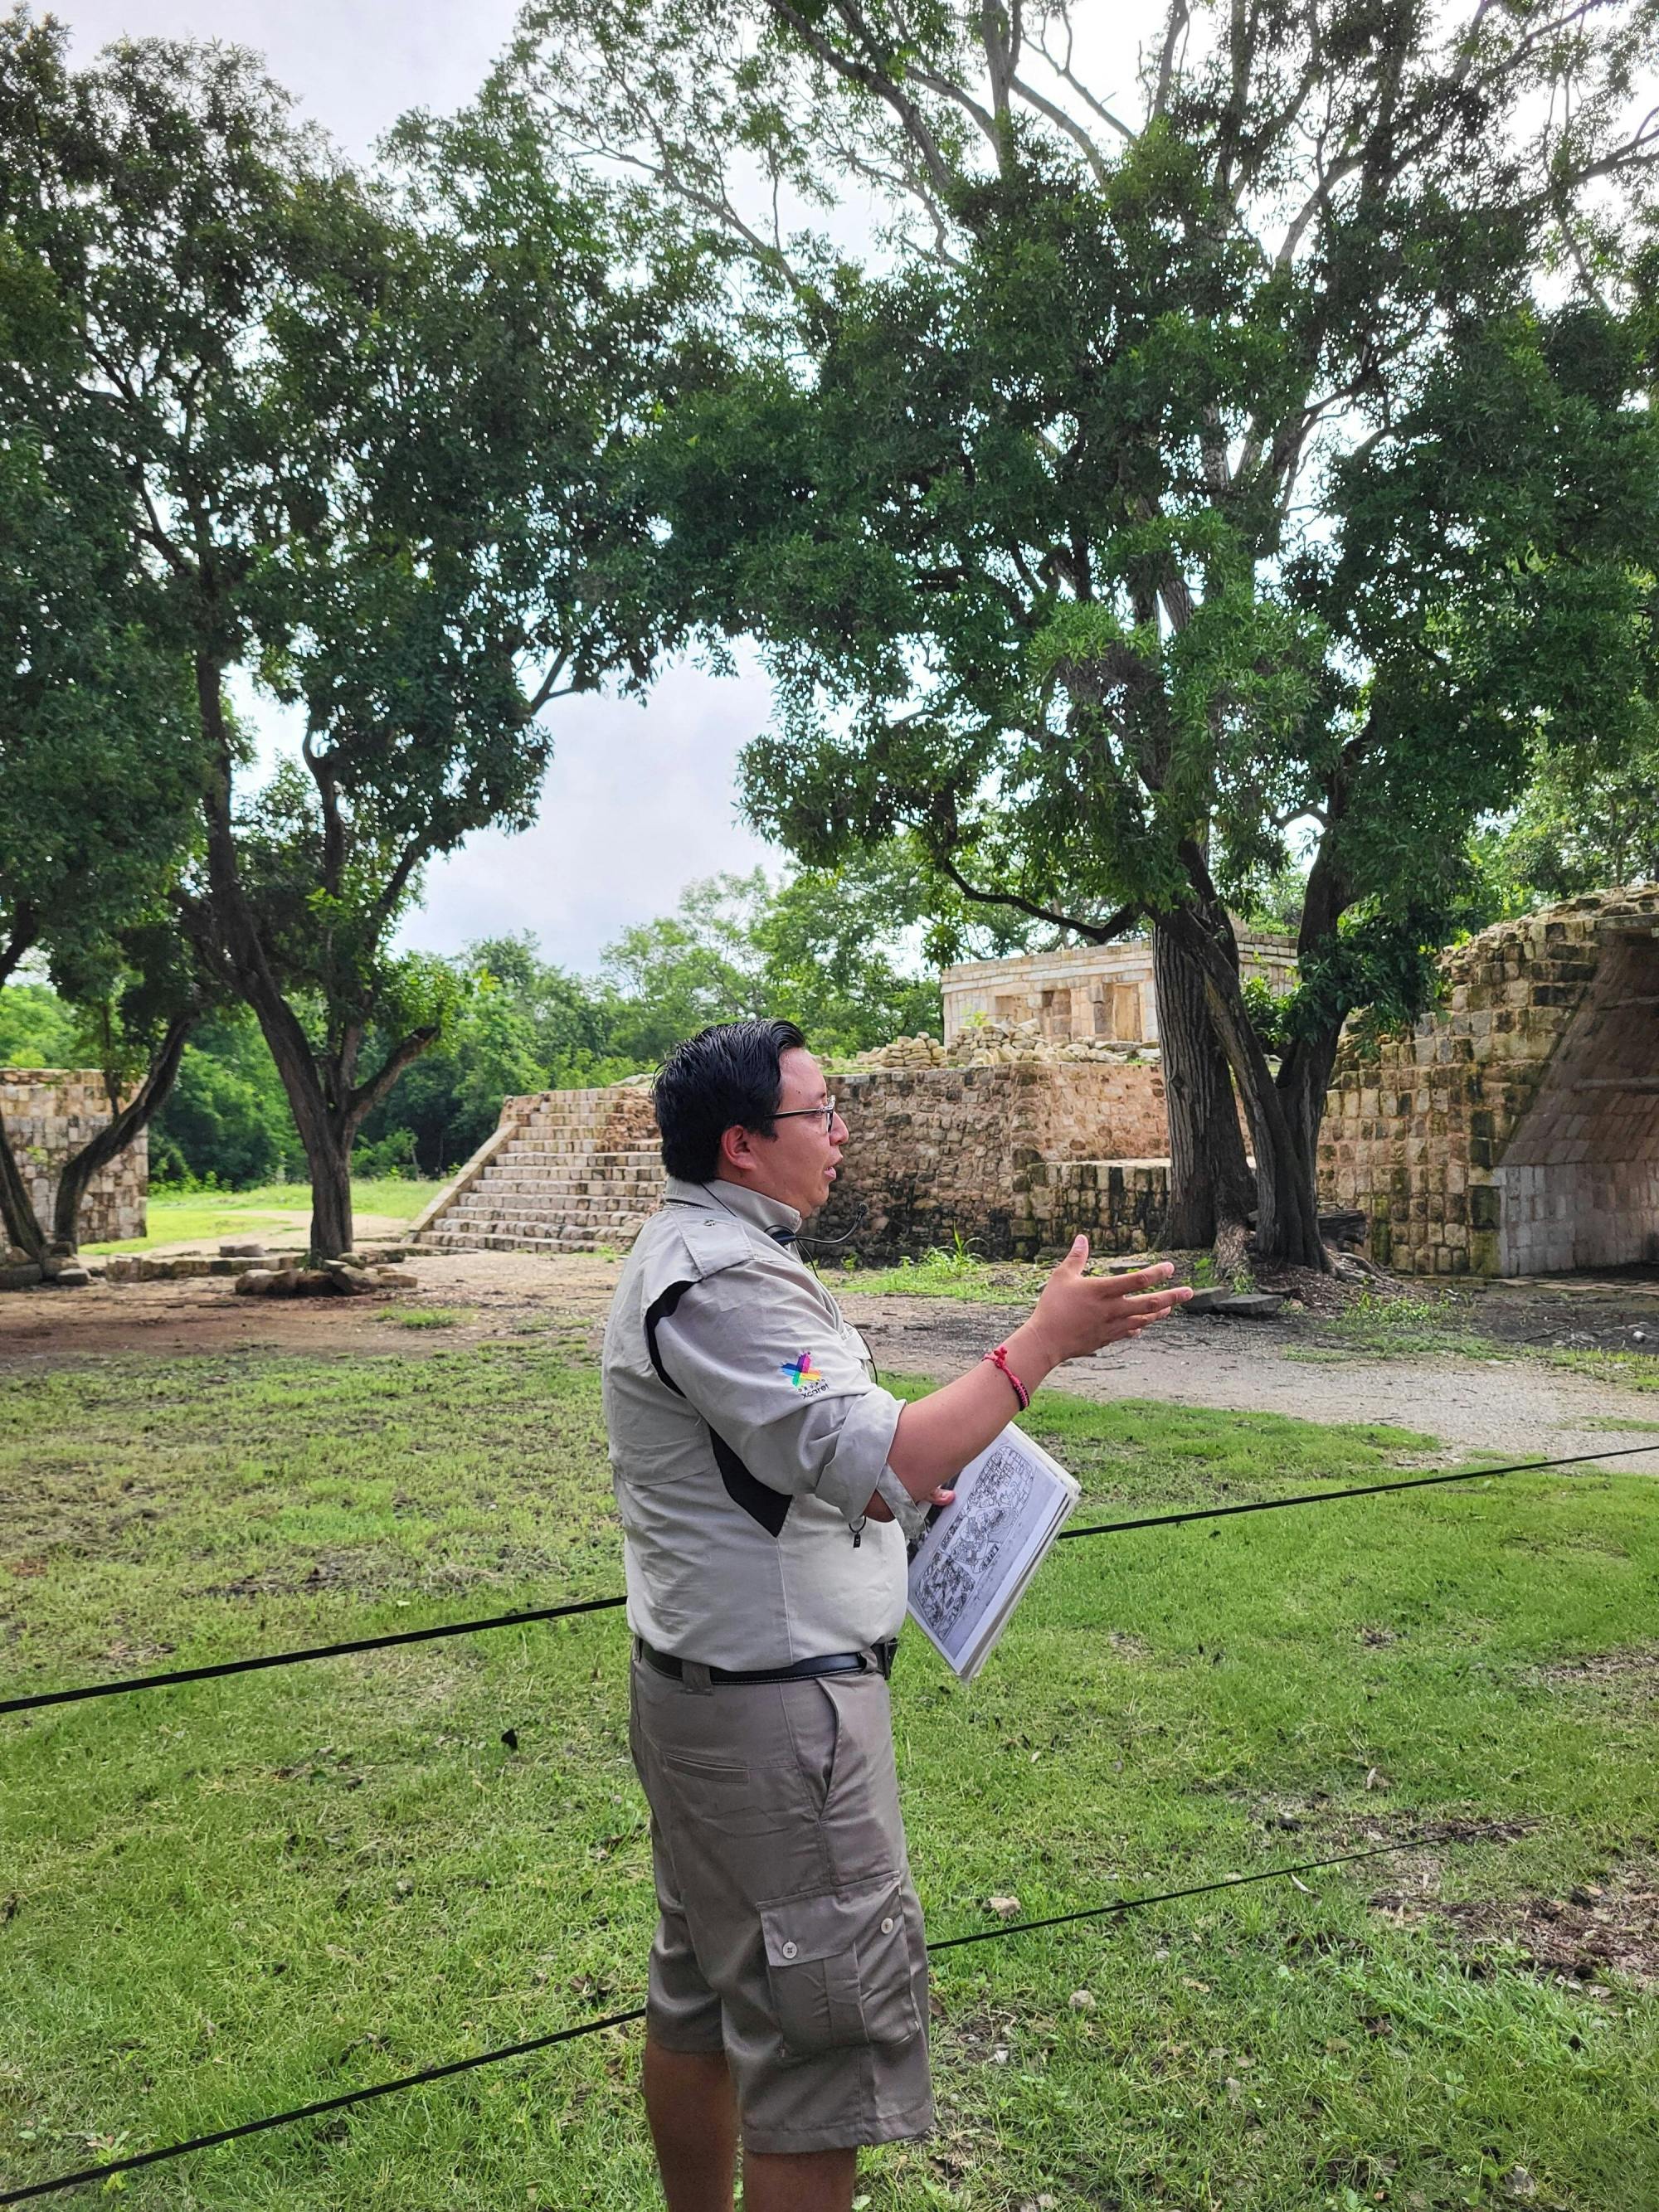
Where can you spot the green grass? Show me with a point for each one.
(233, 1896)
(427, 1316)
(195, 1216)
(1408, 1329)
(953, 1274)
(1631, 1370)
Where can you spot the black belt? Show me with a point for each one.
(827, 1663)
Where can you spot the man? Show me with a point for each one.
(762, 1479)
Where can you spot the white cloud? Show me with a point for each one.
(638, 801)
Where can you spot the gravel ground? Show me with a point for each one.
(1511, 1406)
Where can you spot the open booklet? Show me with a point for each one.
(973, 1560)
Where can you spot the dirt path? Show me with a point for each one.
(1517, 1406)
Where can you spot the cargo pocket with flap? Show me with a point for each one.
(839, 1969)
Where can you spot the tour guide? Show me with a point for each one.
(758, 1469)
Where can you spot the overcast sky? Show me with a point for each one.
(639, 799)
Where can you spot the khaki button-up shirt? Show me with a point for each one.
(747, 1436)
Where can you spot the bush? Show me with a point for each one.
(393, 1155)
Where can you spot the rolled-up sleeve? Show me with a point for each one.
(787, 1394)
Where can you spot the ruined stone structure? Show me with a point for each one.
(562, 1171)
(51, 1112)
(1514, 1130)
(1087, 990)
(1015, 1158)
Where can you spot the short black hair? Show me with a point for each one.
(727, 1076)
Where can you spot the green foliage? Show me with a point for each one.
(98, 773)
(836, 950)
(377, 420)
(1588, 818)
(226, 1117)
(37, 1028)
(700, 964)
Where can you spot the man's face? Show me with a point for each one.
(796, 1165)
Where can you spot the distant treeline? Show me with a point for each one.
(838, 950)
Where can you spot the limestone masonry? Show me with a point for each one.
(1513, 1130)
(1005, 1154)
(51, 1112)
(1088, 991)
(563, 1171)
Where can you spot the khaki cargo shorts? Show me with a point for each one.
(790, 1936)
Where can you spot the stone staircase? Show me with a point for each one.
(563, 1171)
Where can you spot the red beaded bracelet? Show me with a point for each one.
(998, 1360)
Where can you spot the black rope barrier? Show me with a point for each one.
(1118, 1905)
(313, 1651)
(1331, 1497)
(224, 1667)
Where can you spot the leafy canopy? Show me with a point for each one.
(1177, 489)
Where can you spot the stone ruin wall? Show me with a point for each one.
(1017, 1157)
(1514, 1130)
(49, 1113)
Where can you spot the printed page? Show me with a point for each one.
(969, 1566)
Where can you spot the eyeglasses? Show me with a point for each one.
(796, 1113)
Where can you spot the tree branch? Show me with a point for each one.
(875, 81)
(367, 1096)
(25, 927)
(1097, 932)
(123, 1125)
(1067, 75)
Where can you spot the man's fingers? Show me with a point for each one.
(1158, 1302)
(1142, 1278)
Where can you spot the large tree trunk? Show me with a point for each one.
(1210, 1186)
(1287, 1198)
(16, 1206)
(328, 1111)
(117, 1133)
(325, 1133)
(1304, 1079)
(331, 1225)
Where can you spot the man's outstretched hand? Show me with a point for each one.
(1078, 1313)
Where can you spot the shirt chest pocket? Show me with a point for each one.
(839, 1969)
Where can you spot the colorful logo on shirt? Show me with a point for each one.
(801, 1371)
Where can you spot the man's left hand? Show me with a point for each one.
(879, 1509)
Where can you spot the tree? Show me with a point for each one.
(98, 773)
(1178, 482)
(839, 950)
(699, 964)
(368, 425)
(850, 951)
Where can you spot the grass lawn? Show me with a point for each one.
(193, 1217)
(218, 1900)
(948, 1275)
